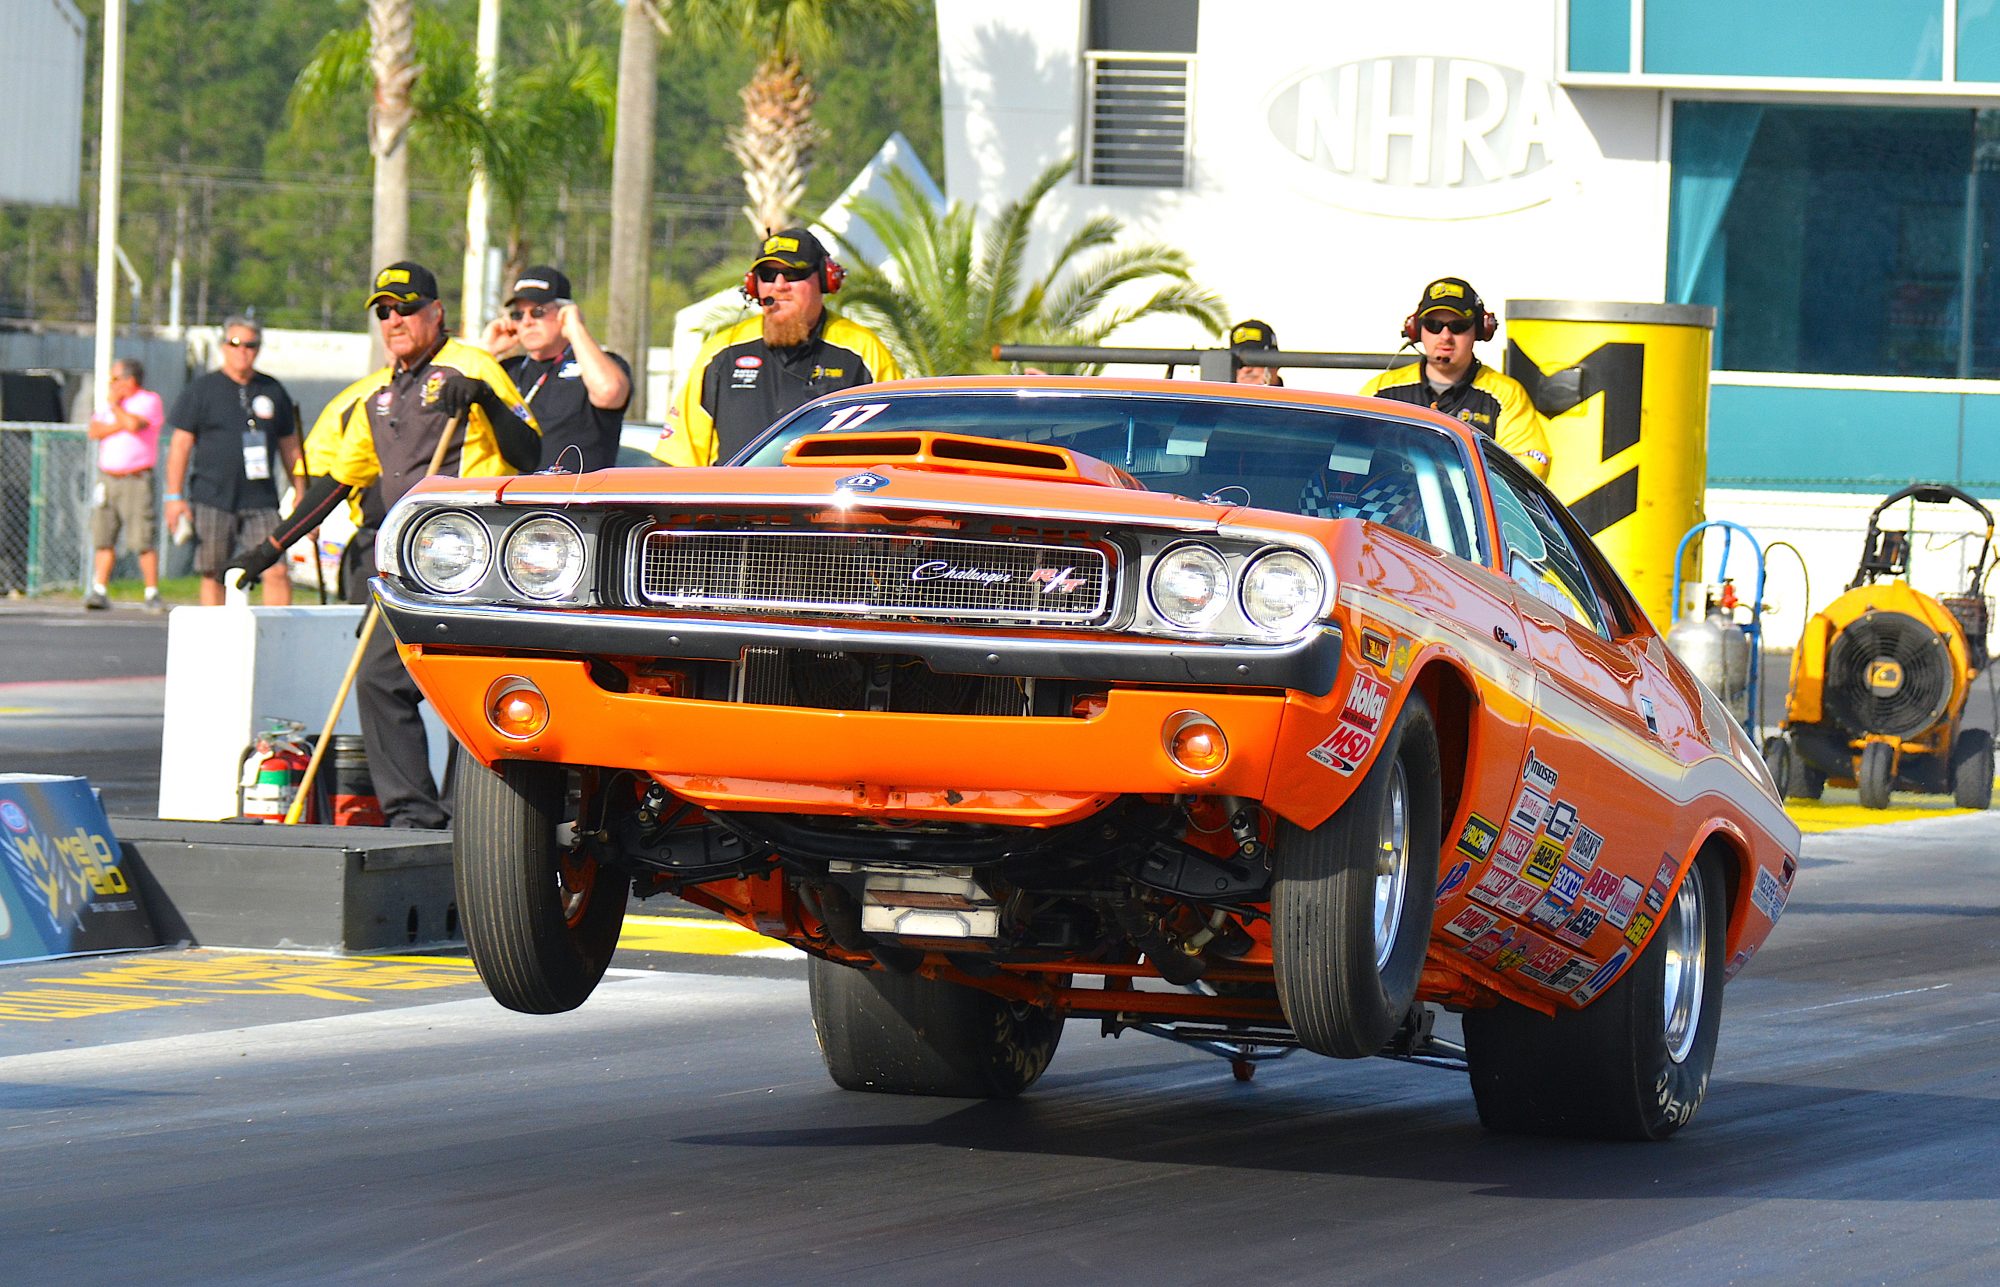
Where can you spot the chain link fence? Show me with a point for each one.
(46, 473)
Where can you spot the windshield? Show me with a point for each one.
(1301, 460)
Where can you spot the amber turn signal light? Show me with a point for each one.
(1195, 742)
(516, 708)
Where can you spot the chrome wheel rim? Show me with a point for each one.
(1392, 865)
(1687, 967)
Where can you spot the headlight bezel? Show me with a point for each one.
(1310, 603)
(462, 583)
(1219, 598)
(578, 566)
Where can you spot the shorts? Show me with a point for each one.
(124, 507)
(221, 533)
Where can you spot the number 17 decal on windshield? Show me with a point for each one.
(1360, 724)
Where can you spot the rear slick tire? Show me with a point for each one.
(1875, 777)
(541, 924)
(904, 1034)
(1351, 899)
(1633, 1064)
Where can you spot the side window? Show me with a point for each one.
(1539, 556)
(1413, 481)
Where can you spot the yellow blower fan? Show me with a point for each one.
(1880, 679)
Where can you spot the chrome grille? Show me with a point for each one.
(876, 574)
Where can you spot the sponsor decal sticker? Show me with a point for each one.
(1543, 862)
(1539, 775)
(1510, 956)
(1572, 974)
(1626, 901)
(1529, 807)
(1513, 849)
(1567, 884)
(1350, 742)
(1374, 648)
(1550, 911)
(1520, 898)
(1769, 896)
(1471, 923)
(1601, 979)
(1483, 947)
(1477, 840)
(1365, 702)
(1578, 928)
(866, 481)
(1545, 960)
(1642, 925)
(1656, 893)
(1602, 886)
(1449, 882)
(1493, 885)
(1584, 849)
(1561, 821)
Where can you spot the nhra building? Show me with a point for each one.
(1822, 178)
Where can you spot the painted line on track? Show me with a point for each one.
(700, 936)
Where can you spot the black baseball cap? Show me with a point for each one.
(1451, 295)
(540, 284)
(403, 282)
(1252, 334)
(790, 248)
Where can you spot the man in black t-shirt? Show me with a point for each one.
(577, 391)
(240, 428)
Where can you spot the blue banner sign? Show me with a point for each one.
(62, 890)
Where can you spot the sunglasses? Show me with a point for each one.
(772, 272)
(244, 344)
(537, 312)
(1457, 325)
(408, 308)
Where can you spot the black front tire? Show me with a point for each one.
(904, 1034)
(1632, 1065)
(1972, 769)
(1351, 899)
(541, 923)
(1875, 777)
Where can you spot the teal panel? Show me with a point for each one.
(1981, 470)
(1978, 42)
(1855, 439)
(1600, 35)
(1842, 39)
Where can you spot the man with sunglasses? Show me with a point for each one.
(238, 427)
(380, 435)
(765, 367)
(577, 390)
(1449, 317)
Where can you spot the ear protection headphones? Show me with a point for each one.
(1413, 327)
(831, 275)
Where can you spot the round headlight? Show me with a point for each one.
(1190, 585)
(449, 552)
(543, 558)
(1281, 592)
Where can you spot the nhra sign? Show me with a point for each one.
(1420, 137)
(62, 890)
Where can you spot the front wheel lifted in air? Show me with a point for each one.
(541, 921)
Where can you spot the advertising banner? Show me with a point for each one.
(62, 892)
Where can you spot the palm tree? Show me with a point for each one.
(952, 292)
(393, 70)
(625, 320)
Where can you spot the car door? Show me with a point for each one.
(1597, 806)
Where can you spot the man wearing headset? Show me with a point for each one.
(1449, 317)
(750, 374)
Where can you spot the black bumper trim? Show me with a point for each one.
(1308, 665)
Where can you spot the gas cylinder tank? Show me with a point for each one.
(1717, 650)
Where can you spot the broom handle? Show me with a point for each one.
(374, 614)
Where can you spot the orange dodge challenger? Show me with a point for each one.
(1250, 718)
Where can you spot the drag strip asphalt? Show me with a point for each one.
(680, 1128)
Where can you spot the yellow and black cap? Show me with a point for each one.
(1450, 295)
(793, 248)
(403, 283)
(1252, 334)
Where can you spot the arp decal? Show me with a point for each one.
(1513, 850)
(1768, 896)
(1477, 840)
(1561, 821)
(1642, 925)
(1539, 775)
(1471, 923)
(1656, 893)
(1529, 808)
(1602, 887)
(1625, 902)
(1584, 849)
(1606, 972)
(1449, 882)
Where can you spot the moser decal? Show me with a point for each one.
(1539, 775)
(1419, 136)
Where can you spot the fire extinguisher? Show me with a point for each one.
(273, 768)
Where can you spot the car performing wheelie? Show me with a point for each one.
(1251, 718)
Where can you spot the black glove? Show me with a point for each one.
(250, 564)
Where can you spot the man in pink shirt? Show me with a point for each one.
(127, 435)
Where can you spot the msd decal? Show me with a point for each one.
(1349, 744)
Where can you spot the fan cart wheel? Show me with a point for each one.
(1972, 769)
(1877, 775)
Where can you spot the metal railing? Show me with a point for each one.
(1139, 117)
(46, 473)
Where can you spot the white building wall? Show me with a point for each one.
(1332, 262)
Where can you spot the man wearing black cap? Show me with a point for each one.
(577, 390)
(1250, 336)
(761, 368)
(1449, 317)
(375, 442)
